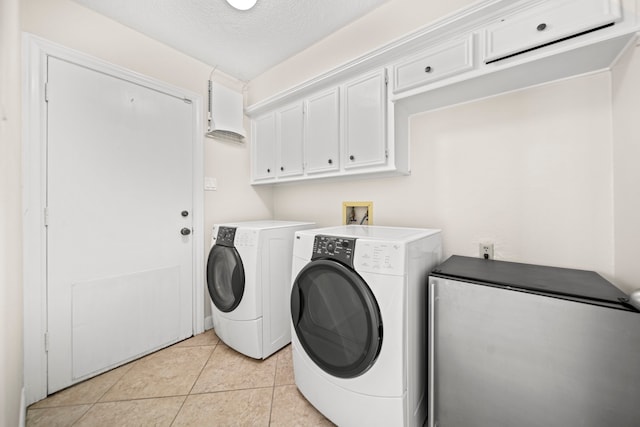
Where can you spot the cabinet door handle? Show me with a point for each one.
(282, 168)
(330, 161)
(352, 157)
(541, 27)
(268, 170)
(428, 69)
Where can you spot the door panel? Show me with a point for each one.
(119, 174)
(153, 293)
(365, 121)
(290, 136)
(264, 147)
(322, 132)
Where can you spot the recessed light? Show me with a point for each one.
(242, 4)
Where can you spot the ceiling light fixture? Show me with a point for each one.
(242, 4)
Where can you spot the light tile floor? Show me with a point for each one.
(197, 382)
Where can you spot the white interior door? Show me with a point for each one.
(119, 193)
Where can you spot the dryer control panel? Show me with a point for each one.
(226, 236)
(334, 247)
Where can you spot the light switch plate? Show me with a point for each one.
(210, 183)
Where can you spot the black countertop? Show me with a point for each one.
(577, 285)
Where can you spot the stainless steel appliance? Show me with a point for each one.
(523, 345)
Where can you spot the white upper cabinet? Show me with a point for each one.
(365, 121)
(436, 63)
(355, 123)
(340, 130)
(290, 134)
(263, 137)
(322, 132)
(547, 23)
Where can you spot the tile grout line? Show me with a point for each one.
(202, 369)
(83, 414)
(175, 417)
(67, 405)
(273, 389)
(90, 405)
(230, 390)
(105, 392)
(178, 411)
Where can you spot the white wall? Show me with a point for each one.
(389, 22)
(530, 170)
(10, 217)
(626, 158)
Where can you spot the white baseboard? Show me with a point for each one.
(208, 323)
(23, 409)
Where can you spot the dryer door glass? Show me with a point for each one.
(336, 318)
(225, 277)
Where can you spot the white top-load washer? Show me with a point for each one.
(248, 277)
(358, 310)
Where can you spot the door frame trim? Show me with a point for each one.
(34, 147)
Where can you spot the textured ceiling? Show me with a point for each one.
(241, 44)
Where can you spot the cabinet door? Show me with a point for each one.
(264, 147)
(547, 23)
(365, 121)
(436, 63)
(322, 132)
(290, 134)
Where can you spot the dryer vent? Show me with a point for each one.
(226, 113)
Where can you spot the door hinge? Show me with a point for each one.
(46, 91)
(186, 101)
(386, 77)
(386, 154)
(46, 342)
(46, 217)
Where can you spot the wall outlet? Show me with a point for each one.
(486, 250)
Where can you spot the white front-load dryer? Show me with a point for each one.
(358, 311)
(249, 279)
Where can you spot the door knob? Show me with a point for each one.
(185, 231)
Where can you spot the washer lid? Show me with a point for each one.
(376, 232)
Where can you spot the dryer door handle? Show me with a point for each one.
(296, 304)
